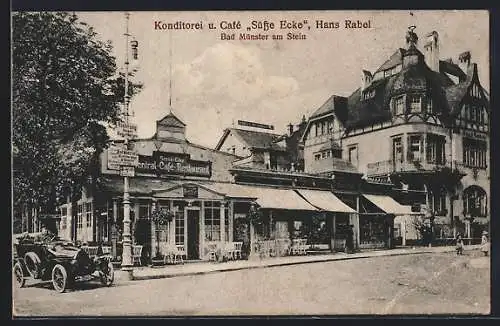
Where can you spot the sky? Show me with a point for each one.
(217, 82)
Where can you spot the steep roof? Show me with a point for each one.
(455, 93)
(376, 109)
(171, 120)
(335, 104)
(253, 139)
(394, 60)
(451, 68)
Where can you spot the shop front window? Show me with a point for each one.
(212, 221)
(79, 217)
(179, 227)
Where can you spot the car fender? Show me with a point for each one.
(23, 266)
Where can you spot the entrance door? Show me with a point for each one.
(193, 233)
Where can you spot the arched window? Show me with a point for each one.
(474, 198)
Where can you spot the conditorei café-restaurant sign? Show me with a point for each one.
(174, 164)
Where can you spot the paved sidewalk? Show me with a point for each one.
(145, 273)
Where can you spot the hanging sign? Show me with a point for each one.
(127, 171)
(127, 130)
(118, 156)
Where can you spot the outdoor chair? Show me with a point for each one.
(181, 249)
(106, 250)
(166, 252)
(303, 247)
(136, 254)
(178, 252)
(211, 248)
(91, 251)
(295, 246)
(237, 250)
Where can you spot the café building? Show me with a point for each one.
(209, 198)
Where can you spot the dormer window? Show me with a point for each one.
(368, 94)
(399, 105)
(415, 103)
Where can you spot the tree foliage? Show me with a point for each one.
(65, 88)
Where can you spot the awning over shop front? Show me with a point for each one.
(389, 205)
(325, 201)
(282, 199)
(266, 197)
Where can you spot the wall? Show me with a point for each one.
(232, 140)
(375, 146)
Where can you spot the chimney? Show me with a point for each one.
(432, 51)
(290, 129)
(366, 79)
(464, 61)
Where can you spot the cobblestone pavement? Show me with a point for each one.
(425, 283)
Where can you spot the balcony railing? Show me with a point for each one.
(389, 166)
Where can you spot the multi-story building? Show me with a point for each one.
(421, 123)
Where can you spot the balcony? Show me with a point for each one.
(388, 167)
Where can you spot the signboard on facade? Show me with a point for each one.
(127, 130)
(127, 171)
(255, 125)
(174, 164)
(475, 134)
(190, 191)
(118, 156)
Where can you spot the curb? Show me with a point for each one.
(278, 264)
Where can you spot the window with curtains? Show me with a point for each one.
(415, 103)
(474, 153)
(415, 148)
(212, 221)
(435, 149)
(88, 214)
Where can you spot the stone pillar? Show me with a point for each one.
(202, 230)
(334, 230)
(135, 221)
(231, 221)
(222, 222)
(154, 205)
(356, 226)
(403, 231)
(171, 224)
(113, 229)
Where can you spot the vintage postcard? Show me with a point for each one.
(250, 163)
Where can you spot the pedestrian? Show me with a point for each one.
(485, 243)
(460, 245)
(349, 242)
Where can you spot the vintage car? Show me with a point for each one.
(59, 261)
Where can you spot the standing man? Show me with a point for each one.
(349, 242)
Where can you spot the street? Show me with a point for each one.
(437, 283)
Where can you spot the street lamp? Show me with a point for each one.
(127, 241)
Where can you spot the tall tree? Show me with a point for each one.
(66, 88)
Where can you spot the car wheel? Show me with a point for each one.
(18, 274)
(33, 264)
(107, 276)
(59, 278)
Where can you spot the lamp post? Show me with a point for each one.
(127, 241)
